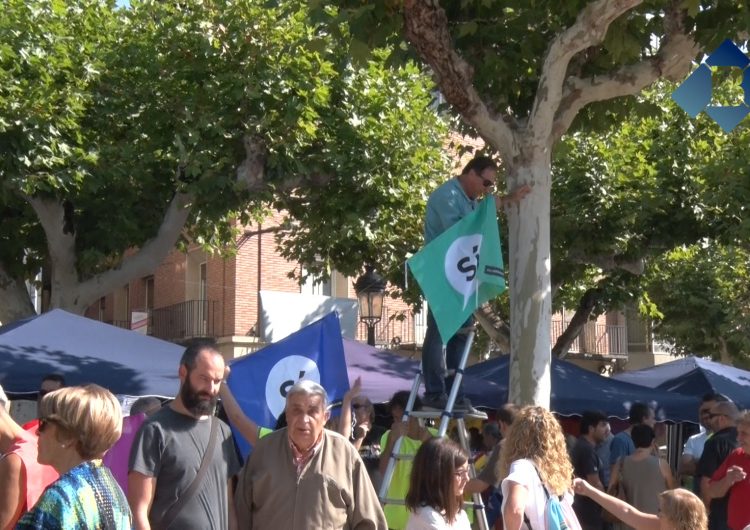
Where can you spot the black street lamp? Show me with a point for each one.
(370, 289)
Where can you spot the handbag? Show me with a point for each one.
(190, 492)
(615, 489)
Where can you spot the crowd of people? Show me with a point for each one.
(183, 470)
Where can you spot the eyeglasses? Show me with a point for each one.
(712, 415)
(487, 183)
(461, 472)
(43, 422)
(357, 406)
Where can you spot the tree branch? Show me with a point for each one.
(61, 243)
(426, 27)
(672, 61)
(586, 306)
(589, 29)
(497, 329)
(145, 260)
(16, 301)
(609, 262)
(251, 171)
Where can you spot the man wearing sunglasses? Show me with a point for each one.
(447, 205)
(693, 448)
(723, 420)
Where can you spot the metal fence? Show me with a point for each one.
(193, 318)
(595, 339)
(396, 328)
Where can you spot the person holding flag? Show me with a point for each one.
(465, 271)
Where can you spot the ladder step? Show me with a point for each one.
(402, 502)
(456, 414)
(402, 457)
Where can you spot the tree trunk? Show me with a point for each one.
(724, 355)
(71, 294)
(583, 312)
(530, 295)
(16, 303)
(494, 326)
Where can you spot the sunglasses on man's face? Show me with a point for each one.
(487, 183)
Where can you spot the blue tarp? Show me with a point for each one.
(695, 377)
(86, 351)
(575, 390)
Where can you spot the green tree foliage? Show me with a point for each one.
(396, 157)
(702, 300)
(166, 121)
(636, 204)
(523, 74)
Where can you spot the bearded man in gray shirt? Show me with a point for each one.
(170, 446)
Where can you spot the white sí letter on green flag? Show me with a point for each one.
(461, 269)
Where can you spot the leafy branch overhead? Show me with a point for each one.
(127, 131)
(523, 74)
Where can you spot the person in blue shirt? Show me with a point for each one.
(447, 205)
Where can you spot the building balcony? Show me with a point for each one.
(595, 340)
(397, 329)
(186, 320)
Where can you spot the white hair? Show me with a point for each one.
(308, 387)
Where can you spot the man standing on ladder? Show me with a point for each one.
(447, 205)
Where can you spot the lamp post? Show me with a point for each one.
(370, 289)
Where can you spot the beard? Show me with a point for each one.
(199, 404)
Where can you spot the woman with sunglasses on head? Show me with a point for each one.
(679, 509)
(439, 475)
(77, 425)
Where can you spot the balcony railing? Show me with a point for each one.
(392, 331)
(193, 318)
(119, 323)
(595, 339)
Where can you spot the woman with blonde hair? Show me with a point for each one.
(77, 425)
(534, 461)
(679, 509)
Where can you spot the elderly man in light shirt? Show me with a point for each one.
(304, 476)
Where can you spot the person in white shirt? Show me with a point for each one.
(436, 487)
(534, 457)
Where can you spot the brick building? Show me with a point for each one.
(196, 294)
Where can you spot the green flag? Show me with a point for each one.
(461, 269)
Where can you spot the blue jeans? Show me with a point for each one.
(435, 364)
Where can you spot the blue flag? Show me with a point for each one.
(260, 381)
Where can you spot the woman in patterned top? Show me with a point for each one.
(77, 426)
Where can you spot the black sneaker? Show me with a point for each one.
(434, 401)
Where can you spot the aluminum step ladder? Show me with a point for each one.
(445, 417)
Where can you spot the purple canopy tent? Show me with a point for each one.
(383, 373)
